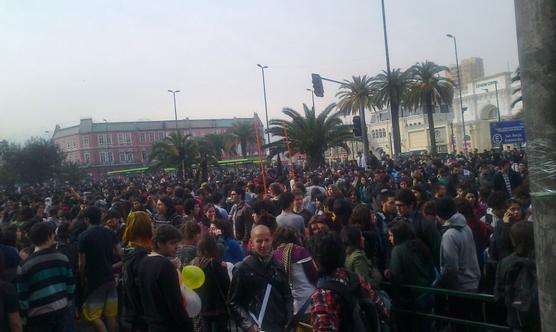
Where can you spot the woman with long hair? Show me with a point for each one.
(230, 248)
(166, 212)
(214, 312)
(137, 239)
(411, 263)
(356, 260)
(300, 268)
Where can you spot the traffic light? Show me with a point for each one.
(357, 126)
(317, 85)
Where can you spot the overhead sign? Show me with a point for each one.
(507, 132)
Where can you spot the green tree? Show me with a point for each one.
(355, 95)
(37, 161)
(428, 90)
(310, 134)
(392, 93)
(177, 150)
(219, 144)
(353, 92)
(71, 172)
(244, 132)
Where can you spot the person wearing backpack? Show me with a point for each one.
(459, 268)
(516, 281)
(342, 301)
(259, 296)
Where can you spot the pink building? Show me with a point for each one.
(107, 146)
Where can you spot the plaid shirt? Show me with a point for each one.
(326, 311)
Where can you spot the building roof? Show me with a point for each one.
(87, 126)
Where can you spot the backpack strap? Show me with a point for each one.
(344, 291)
(287, 261)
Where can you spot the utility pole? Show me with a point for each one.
(394, 114)
(536, 32)
(460, 97)
(173, 92)
(265, 104)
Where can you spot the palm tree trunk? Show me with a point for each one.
(243, 144)
(430, 119)
(396, 128)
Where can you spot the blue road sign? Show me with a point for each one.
(507, 132)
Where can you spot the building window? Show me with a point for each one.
(106, 157)
(151, 137)
(126, 156)
(144, 155)
(87, 157)
(142, 137)
(104, 139)
(121, 139)
(86, 141)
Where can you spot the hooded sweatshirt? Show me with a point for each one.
(458, 258)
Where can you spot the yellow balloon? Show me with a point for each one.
(193, 276)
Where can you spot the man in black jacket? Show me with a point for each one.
(160, 289)
(260, 296)
(425, 229)
(240, 216)
(506, 179)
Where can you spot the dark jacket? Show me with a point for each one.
(132, 307)
(240, 215)
(500, 242)
(250, 281)
(161, 296)
(426, 230)
(500, 184)
(410, 264)
(214, 291)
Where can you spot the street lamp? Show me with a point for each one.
(313, 97)
(173, 92)
(265, 103)
(459, 89)
(395, 123)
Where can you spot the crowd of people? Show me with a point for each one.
(326, 249)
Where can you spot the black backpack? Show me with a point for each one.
(360, 314)
(521, 291)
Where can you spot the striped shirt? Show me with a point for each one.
(45, 283)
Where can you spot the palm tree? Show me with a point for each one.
(176, 151)
(392, 93)
(429, 90)
(357, 95)
(310, 134)
(219, 143)
(243, 132)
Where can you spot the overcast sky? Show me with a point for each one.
(63, 60)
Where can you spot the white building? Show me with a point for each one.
(480, 105)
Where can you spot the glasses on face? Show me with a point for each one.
(400, 205)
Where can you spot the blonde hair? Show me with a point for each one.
(138, 228)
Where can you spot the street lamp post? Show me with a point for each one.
(497, 102)
(265, 103)
(173, 92)
(313, 97)
(396, 130)
(459, 90)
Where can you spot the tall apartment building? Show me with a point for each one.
(471, 69)
(100, 147)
